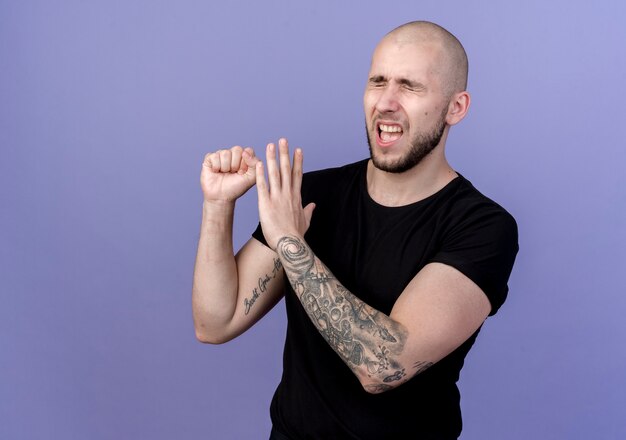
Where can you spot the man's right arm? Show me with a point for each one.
(230, 293)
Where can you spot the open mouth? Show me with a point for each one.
(388, 133)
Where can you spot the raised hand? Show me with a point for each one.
(227, 174)
(280, 203)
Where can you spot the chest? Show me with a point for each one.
(375, 253)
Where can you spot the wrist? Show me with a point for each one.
(218, 206)
(218, 214)
(287, 240)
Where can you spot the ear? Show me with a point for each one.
(458, 107)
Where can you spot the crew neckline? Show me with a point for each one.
(453, 183)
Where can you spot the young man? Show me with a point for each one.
(388, 271)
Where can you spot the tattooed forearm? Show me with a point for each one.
(367, 340)
(262, 286)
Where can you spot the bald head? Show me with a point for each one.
(451, 64)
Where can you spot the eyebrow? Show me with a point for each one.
(377, 78)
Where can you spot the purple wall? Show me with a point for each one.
(106, 110)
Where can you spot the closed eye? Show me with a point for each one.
(412, 86)
(378, 81)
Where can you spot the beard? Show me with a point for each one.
(419, 147)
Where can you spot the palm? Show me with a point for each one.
(225, 186)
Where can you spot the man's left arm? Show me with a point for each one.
(438, 310)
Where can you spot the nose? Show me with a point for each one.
(388, 100)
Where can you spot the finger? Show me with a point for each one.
(308, 214)
(249, 158)
(244, 167)
(261, 184)
(285, 165)
(273, 175)
(235, 158)
(249, 162)
(214, 161)
(296, 172)
(225, 156)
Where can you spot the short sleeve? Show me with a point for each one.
(258, 234)
(483, 246)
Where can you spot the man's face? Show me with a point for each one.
(405, 106)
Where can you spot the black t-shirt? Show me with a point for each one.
(375, 251)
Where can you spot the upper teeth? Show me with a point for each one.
(390, 128)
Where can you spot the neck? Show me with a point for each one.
(418, 183)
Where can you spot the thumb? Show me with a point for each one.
(251, 160)
(308, 213)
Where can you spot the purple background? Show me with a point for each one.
(106, 111)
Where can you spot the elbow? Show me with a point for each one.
(204, 338)
(377, 387)
(210, 330)
(375, 384)
(213, 338)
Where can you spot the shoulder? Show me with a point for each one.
(480, 239)
(470, 208)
